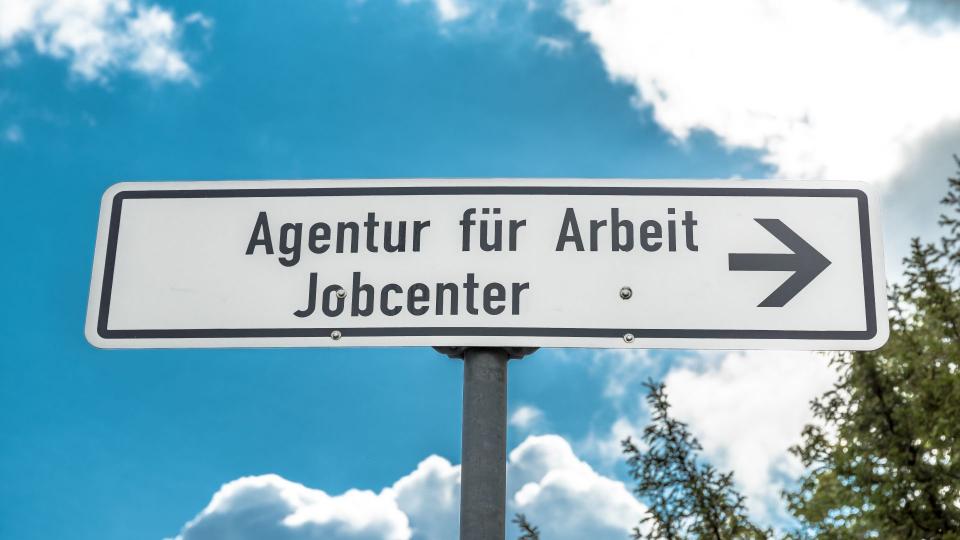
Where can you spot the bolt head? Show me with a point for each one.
(335, 335)
(626, 293)
(341, 293)
(628, 338)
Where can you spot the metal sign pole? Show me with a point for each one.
(483, 473)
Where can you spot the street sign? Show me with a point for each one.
(533, 262)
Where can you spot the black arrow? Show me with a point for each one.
(805, 262)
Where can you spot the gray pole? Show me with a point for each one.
(483, 476)
(483, 473)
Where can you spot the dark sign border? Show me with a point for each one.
(639, 333)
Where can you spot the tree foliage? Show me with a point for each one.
(686, 498)
(882, 459)
(527, 531)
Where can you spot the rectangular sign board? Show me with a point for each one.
(507, 262)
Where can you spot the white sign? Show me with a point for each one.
(556, 263)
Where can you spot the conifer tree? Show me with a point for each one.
(685, 497)
(883, 458)
(527, 531)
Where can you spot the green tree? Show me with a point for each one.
(882, 457)
(686, 498)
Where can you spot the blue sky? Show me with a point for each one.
(133, 444)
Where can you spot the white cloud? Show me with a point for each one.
(828, 89)
(430, 497)
(625, 369)
(606, 447)
(448, 10)
(546, 480)
(100, 37)
(747, 409)
(564, 496)
(554, 45)
(526, 417)
(451, 10)
(199, 18)
(910, 204)
(269, 506)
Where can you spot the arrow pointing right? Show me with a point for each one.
(806, 262)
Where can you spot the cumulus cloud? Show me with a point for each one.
(526, 417)
(546, 480)
(269, 506)
(100, 37)
(747, 409)
(430, 497)
(829, 89)
(565, 496)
